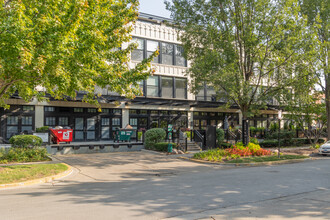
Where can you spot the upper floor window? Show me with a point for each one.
(181, 88)
(167, 87)
(167, 53)
(170, 54)
(152, 46)
(138, 53)
(179, 59)
(152, 86)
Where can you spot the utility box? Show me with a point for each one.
(211, 137)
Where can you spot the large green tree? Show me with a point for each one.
(318, 13)
(65, 46)
(248, 50)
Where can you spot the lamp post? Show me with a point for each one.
(279, 131)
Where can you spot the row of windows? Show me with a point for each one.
(166, 87)
(170, 54)
(82, 110)
(155, 112)
(16, 124)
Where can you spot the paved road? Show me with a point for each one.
(141, 185)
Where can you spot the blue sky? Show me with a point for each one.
(154, 7)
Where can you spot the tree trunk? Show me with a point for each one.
(245, 128)
(327, 104)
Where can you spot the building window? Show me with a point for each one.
(132, 111)
(143, 112)
(78, 110)
(49, 109)
(63, 121)
(105, 110)
(167, 87)
(152, 46)
(50, 121)
(181, 88)
(28, 108)
(137, 54)
(133, 122)
(211, 95)
(91, 110)
(167, 53)
(26, 123)
(152, 86)
(12, 120)
(179, 59)
(117, 111)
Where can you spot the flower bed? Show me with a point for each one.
(236, 151)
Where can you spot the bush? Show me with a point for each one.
(25, 141)
(162, 146)
(220, 135)
(153, 136)
(43, 129)
(254, 140)
(226, 145)
(283, 135)
(23, 155)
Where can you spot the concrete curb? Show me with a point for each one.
(249, 164)
(40, 180)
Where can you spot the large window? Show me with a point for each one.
(167, 53)
(170, 54)
(167, 87)
(179, 59)
(137, 54)
(152, 86)
(152, 46)
(180, 88)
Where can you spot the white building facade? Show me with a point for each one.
(167, 98)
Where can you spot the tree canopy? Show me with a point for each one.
(249, 51)
(65, 46)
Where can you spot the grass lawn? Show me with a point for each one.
(266, 159)
(21, 173)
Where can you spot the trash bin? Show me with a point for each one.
(61, 135)
(123, 135)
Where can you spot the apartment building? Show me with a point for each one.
(166, 97)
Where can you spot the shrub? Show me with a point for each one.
(254, 140)
(153, 136)
(253, 147)
(283, 135)
(226, 145)
(23, 155)
(25, 141)
(220, 135)
(162, 146)
(43, 129)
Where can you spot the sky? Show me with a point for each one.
(154, 7)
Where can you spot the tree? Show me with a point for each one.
(308, 113)
(65, 46)
(248, 50)
(318, 12)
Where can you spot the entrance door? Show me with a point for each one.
(79, 129)
(105, 128)
(91, 134)
(85, 129)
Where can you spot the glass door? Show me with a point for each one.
(105, 128)
(79, 129)
(91, 128)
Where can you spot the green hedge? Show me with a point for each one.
(25, 141)
(162, 146)
(220, 135)
(283, 135)
(20, 155)
(290, 142)
(153, 136)
(43, 129)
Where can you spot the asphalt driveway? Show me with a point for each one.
(141, 185)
